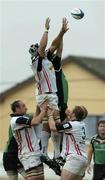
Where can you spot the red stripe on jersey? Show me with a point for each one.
(79, 149)
(67, 146)
(47, 79)
(19, 139)
(75, 145)
(28, 140)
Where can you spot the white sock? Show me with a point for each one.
(56, 138)
(44, 141)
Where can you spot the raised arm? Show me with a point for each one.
(60, 49)
(44, 39)
(56, 42)
(32, 121)
(57, 126)
(40, 115)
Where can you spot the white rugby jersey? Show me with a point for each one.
(26, 137)
(74, 140)
(45, 79)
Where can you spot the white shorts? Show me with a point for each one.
(76, 164)
(52, 100)
(30, 161)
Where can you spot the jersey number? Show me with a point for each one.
(84, 134)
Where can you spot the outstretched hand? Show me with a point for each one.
(64, 28)
(47, 23)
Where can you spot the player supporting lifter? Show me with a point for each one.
(24, 131)
(73, 148)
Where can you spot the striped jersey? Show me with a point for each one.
(26, 137)
(45, 78)
(74, 139)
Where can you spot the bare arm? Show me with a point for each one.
(37, 112)
(60, 49)
(90, 153)
(40, 115)
(37, 119)
(56, 42)
(44, 39)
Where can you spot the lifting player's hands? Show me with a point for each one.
(47, 23)
(44, 107)
(64, 27)
(50, 112)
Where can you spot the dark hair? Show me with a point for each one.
(33, 49)
(100, 122)
(80, 112)
(15, 105)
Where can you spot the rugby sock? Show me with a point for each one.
(44, 141)
(56, 138)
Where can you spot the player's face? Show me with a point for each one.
(68, 112)
(101, 128)
(22, 108)
(71, 115)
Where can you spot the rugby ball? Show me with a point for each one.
(77, 13)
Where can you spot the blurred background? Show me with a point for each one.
(83, 61)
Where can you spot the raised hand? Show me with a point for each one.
(47, 23)
(64, 28)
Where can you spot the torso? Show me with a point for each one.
(74, 140)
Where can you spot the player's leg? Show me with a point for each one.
(35, 173)
(45, 136)
(97, 172)
(56, 137)
(22, 172)
(74, 168)
(10, 165)
(12, 175)
(69, 176)
(33, 166)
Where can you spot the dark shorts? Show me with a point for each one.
(99, 171)
(11, 162)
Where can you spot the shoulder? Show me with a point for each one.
(75, 123)
(93, 139)
(13, 121)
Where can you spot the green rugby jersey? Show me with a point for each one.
(11, 145)
(98, 150)
(65, 88)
